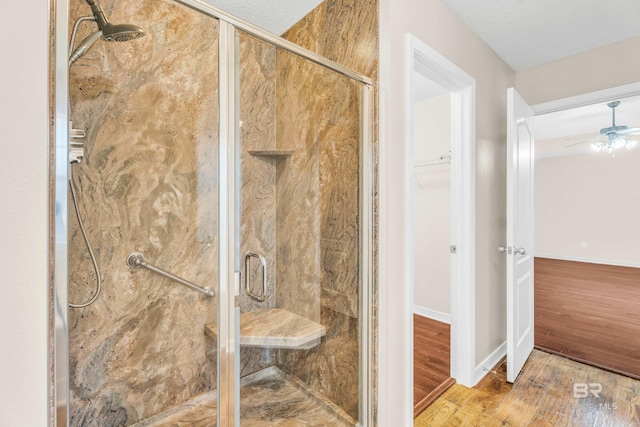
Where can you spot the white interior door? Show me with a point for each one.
(520, 157)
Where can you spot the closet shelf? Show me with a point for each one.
(445, 159)
(276, 153)
(275, 328)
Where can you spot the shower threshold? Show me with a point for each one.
(267, 398)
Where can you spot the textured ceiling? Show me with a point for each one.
(527, 33)
(276, 16)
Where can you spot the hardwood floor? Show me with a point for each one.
(589, 312)
(541, 397)
(431, 344)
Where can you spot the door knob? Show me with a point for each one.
(520, 251)
(502, 249)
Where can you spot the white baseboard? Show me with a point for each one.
(589, 260)
(487, 364)
(432, 314)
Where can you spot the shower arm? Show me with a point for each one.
(84, 47)
(137, 260)
(74, 32)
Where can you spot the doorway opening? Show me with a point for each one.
(588, 256)
(440, 183)
(432, 242)
(580, 273)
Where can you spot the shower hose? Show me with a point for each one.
(91, 254)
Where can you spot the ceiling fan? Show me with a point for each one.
(614, 137)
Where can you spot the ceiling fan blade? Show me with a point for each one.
(581, 142)
(629, 131)
(582, 138)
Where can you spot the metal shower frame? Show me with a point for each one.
(228, 276)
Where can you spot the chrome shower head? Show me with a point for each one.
(106, 31)
(121, 32)
(110, 32)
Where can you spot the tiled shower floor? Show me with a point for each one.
(267, 398)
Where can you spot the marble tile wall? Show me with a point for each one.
(148, 183)
(257, 132)
(345, 31)
(317, 214)
(325, 31)
(298, 269)
(258, 194)
(318, 195)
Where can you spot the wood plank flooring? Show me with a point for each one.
(589, 312)
(542, 396)
(431, 345)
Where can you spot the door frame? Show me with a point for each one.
(560, 104)
(426, 61)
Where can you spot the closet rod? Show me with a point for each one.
(440, 160)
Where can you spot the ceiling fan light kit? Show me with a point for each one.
(615, 135)
(609, 148)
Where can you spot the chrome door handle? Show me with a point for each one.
(502, 250)
(520, 251)
(247, 280)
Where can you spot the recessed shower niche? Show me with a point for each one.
(238, 169)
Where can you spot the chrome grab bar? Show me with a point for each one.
(247, 280)
(137, 260)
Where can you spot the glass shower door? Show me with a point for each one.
(299, 326)
(220, 182)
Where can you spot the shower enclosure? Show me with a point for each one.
(224, 184)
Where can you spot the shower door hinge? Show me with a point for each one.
(453, 249)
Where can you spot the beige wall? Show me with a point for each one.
(590, 198)
(24, 128)
(433, 23)
(609, 66)
(432, 205)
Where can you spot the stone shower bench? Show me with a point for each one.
(275, 328)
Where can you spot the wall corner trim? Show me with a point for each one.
(432, 314)
(488, 364)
